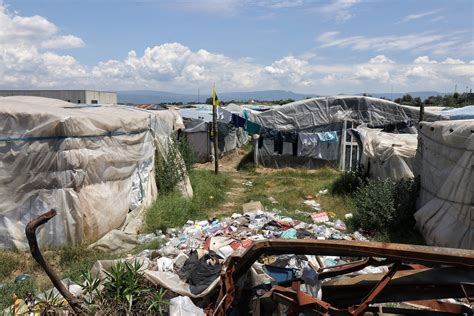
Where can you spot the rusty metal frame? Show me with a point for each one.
(399, 255)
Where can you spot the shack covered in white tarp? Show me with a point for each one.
(386, 155)
(327, 115)
(445, 165)
(198, 123)
(93, 164)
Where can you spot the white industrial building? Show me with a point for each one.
(73, 96)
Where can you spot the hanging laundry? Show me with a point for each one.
(251, 127)
(238, 121)
(328, 147)
(223, 115)
(308, 145)
(278, 143)
(286, 137)
(328, 137)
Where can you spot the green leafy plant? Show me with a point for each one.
(386, 208)
(159, 302)
(348, 183)
(123, 282)
(90, 288)
(123, 291)
(375, 205)
(170, 169)
(186, 152)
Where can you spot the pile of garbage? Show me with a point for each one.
(191, 258)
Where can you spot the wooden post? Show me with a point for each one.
(255, 148)
(422, 112)
(342, 156)
(214, 135)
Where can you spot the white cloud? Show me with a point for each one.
(417, 16)
(28, 61)
(435, 43)
(65, 41)
(220, 7)
(453, 61)
(381, 59)
(283, 4)
(424, 60)
(339, 10)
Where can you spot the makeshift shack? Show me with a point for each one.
(308, 133)
(93, 164)
(445, 166)
(386, 155)
(198, 123)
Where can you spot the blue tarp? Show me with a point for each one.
(464, 113)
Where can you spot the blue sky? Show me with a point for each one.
(323, 47)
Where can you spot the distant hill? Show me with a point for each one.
(392, 96)
(150, 96)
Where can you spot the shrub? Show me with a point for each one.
(172, 169)
(186, 153)
(386, 208)
(348, 183)
(375, 205)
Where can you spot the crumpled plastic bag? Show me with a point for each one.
(183, 306)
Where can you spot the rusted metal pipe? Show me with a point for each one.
(30, 232)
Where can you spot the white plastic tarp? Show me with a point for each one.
(93, 164)
(327, 114)
(445, 164)
(387, 155)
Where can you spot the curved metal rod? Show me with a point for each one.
(30, 232)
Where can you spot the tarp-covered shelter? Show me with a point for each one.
(445, 166)
(386, 155)
(93, 164)
(198, 124)
(464, 113)
(320, 116)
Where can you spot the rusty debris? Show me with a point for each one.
(417, 278)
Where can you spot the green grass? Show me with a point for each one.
(173, 210)
(290, 186)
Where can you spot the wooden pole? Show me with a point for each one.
(342, 157)
(422, 112)
(214, 135)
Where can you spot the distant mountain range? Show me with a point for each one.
(150, 96)
(392, 96)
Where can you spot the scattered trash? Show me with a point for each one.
(321, 217)
(313, 204)
(183, 306)
(190, 259)
(248, 183)
(348, 216)
(323, 192)
(253, 207)
(272, 200)
(22, 278)
(340, 225)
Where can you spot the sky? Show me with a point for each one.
(317, 47)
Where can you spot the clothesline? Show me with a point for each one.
(303, 143)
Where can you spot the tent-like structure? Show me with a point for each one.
(386, 155)
(328, 115)
(198, 124)
(93, 164)
(445, 166)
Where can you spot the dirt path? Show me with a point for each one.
(237, 187)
